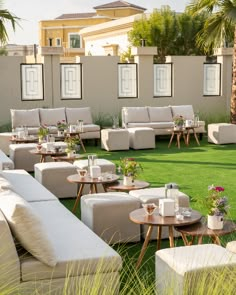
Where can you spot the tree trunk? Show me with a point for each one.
(233, 93)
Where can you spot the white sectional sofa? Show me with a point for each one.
(158, 118)
(64, 256)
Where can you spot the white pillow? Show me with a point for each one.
(50, 117)
(75, 114)
(28, 118)
(160, 114)
(27, 227)
(231, 246)
(5, 184)
(183, 110)
(136, 114)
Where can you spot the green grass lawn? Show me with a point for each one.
(193, 168)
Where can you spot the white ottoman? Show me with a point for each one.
(181, 270)
(141, 138)
(222, 133)
(114, 139)
(107, 214)
(53, 176)
(153, 195)
(21, 156)
(5, 141)
(5, 162)
(106, 166)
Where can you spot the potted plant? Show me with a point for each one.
(217, 206)
(178, 121)
(72, 145)
(130, 170)
(43, 132)
(61, 126)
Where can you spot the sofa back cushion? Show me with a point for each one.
(160, 114)
(50, 117)
(183, 110)
(28, 118)
(27, 227)
(75, 114)
(9, 261)
(135, 114)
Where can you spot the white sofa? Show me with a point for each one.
(34, 118)
(158, 118)
(67, 257)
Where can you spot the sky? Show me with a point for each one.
(31, 12)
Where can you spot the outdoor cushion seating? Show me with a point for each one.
(81, 256)
(5, 161)
(185, 270)
(158, 118)
(114, 139)
(21, 156)
(107, 214)
(53, 176)
(221, 133)
(141, 138)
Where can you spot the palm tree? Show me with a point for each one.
(218, 29)
(6, 16)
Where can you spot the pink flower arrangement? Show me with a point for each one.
(215, 202)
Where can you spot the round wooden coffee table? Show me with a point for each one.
(139, 216)
(44, 153)
(120, 187)
(200, 230)
(93, 182)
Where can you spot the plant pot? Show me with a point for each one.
(60, 133)
(128, 180)
(70, 154)
(215, 222)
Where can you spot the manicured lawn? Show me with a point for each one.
(193, 168)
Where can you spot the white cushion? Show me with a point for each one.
(27, 227)
(183, 110)
(5, 184)
(136, 114)
(75, 114)
(52, 116)
(160, 114)
(25, 118)
(231, 246)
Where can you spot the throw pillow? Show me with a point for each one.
(27, 227)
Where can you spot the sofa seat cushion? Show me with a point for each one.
(138, 124)
(26, 226)
(136, 114)
(160, 114)
(32, 130)
(91, 127)
(183, 110)
(75, 114)
(25, 118)
(20, 180)
(50, 117)
(78, 249)
(4, 183)
(161, 125)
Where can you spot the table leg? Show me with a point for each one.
(159, 231)
(178, 140)
(200, 240)
(95, 188)
(216, 240)
(196, 138)
(172, 136)
(186, 243)
(185, 140)
(143, 250)
(42, 159)
(188, 137)
(104, 187)
(82, 144)
(171, 236)
(78, 197)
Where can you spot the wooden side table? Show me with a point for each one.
(179, 133)
(188, 129)
(200, 230)
(119, 187)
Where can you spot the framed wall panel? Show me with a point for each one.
(71, 81)
(127, 81)
(31, 82)
(162, 80)
(212, 79)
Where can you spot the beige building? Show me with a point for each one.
(65, 30)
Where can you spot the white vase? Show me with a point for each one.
(60, 132)
(70, 154)
(215, 222)
(128, 181)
